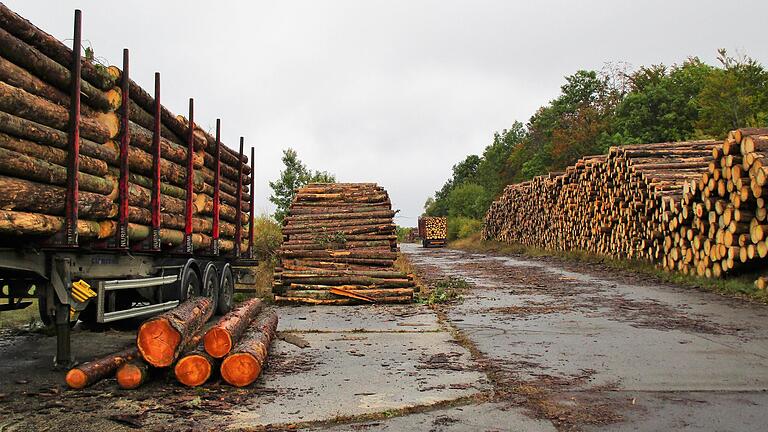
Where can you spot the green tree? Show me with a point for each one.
(294, 176)
(662, 104)
(733, 97)
(470, 200)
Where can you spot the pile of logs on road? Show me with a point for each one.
(697, 207)
(36, 115)
(339, 247)
(180, 342)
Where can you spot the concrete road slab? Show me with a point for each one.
(393, 318)
(349, 374)
(489, 417)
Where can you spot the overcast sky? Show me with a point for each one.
(393, 92)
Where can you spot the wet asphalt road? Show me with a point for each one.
(607, 351)
(533, 345)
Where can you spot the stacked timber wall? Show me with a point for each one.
(696, 207)
(132, 171)
(340, 247)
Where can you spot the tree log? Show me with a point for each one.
(132, 375)
(43, 67)
(220, 338)
(53, 155)
(51, 47)
(25, 105)
(26, 196)
(86, 374)
(244, 363)
(161, 339)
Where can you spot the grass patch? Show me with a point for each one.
(20, 317)
(444, 290)
(742, 286)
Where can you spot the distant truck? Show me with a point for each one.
(433, 231)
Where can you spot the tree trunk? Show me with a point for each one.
(244, 363)
(220, 338)
(26, 196)
(30, 168)
(43, 67)
(161, 339)
(86, 374)
(133, 374)
(53, 155)
(24, 223)
(51, 47)
(25, 105)
(195, 367)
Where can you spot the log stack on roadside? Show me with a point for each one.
(697, 207)
(178, 340)
(35, 81)
(340, 247)
(720, 224)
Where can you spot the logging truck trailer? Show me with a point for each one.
(123, 275)
(433, 231)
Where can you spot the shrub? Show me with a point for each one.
(463, 227)
(267, 237)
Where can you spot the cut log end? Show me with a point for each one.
(240, 369)
(76, 379)
(193, 370)
(130, 376)
(157, 342)
(217, 342)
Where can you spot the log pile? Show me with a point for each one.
(339, 247)
(178, 341)
(719, 223)
(433, 230)
(35, 80)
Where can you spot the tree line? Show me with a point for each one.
(599, 109)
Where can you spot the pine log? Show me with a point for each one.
(38, 133)
(161, 339)
(25, 105)
(26, 196)
(244, 363)
(48, 70)
(24, 223)
(22, 166)
(220, 338)
(53, 155)
(133, 375)
(86, 374)
(195, 367)
(21, 78)
(51, 47)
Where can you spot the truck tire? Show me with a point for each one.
(226, 291)
(42, 304)
(190, 284)
(211, 282)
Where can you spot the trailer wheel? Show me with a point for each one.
(190, 284)
(211, 283)
(226, 291)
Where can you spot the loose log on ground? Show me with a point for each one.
(195, 367)
(133, 375)
(220, 338)
(244, 364)
(86, 374)
(161, 339)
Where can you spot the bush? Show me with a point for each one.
(267, 237)
(463, 227)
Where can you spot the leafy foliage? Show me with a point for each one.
(598, 109)
(294, 176)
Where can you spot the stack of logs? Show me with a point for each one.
(340, 247)
(238, 344)
(697, 207)
(719, 224)
(35, 80)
